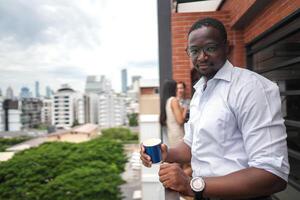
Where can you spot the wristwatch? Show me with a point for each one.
(198, 185)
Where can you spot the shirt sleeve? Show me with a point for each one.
(259, 118)
(188, 137)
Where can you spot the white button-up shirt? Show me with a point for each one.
(236, 123)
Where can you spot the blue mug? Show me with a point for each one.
(152, 148)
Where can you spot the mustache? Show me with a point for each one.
(204, 63)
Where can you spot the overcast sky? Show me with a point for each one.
(63, 41)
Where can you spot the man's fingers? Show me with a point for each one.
(147, 164)
(146, 160)
(166, 184)
(163, 178)
(172, 166)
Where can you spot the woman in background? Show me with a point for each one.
(180, 94)
(172, 115)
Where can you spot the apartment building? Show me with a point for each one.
(111, 110)
(12, 115)
(46, 115)
(31, 112)
(1, 114)
(97, 84)
(68, 108)
(91, 108)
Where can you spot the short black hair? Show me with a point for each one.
(208, 21)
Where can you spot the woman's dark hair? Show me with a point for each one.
(169, 90)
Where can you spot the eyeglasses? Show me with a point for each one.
(208, 49)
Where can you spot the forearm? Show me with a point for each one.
(181, 153)
(251, 182)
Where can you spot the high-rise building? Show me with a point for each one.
(132, 101)
(25, 93)
(12, 115)
(37, 89)
(105, 84)
(93, 85)
(111, 110)
(46, 116)
(80, 108)
(124, 80)
(31, 112)
(97, 84)
(68, 108)
(49, 92)
(9, 93)
(91, 108)
(1, 114)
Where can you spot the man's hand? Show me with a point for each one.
(146, 158)
(172, 176)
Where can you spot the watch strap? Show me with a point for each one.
(198, 195)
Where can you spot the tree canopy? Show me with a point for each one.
(65, 171)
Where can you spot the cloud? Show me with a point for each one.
(57, 41)
(31, 22)
(144, 63)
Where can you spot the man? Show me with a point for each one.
(235, 137)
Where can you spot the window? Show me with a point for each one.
(276, 55)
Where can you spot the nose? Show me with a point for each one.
(201, 56)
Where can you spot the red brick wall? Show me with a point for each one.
(181, 22)
(236, 8)
(229, 14)
(273, 13)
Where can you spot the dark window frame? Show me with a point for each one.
(288, 27)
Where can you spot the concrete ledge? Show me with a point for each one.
(150, 178)
(148, 118)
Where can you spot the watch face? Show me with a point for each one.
(197, 184)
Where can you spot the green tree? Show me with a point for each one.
(133, 119)
(7, 142)
(65, 171)
(75, 123)
(122, 134)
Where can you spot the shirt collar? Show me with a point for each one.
(225, 72)
(199, 83)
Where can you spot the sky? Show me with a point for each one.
(63, 41)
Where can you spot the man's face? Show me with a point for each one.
(207, 50)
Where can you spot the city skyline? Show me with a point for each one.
(65, 41)
(45, 90)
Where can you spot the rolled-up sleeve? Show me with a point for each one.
(260, 120)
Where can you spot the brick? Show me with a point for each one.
(229, 13)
